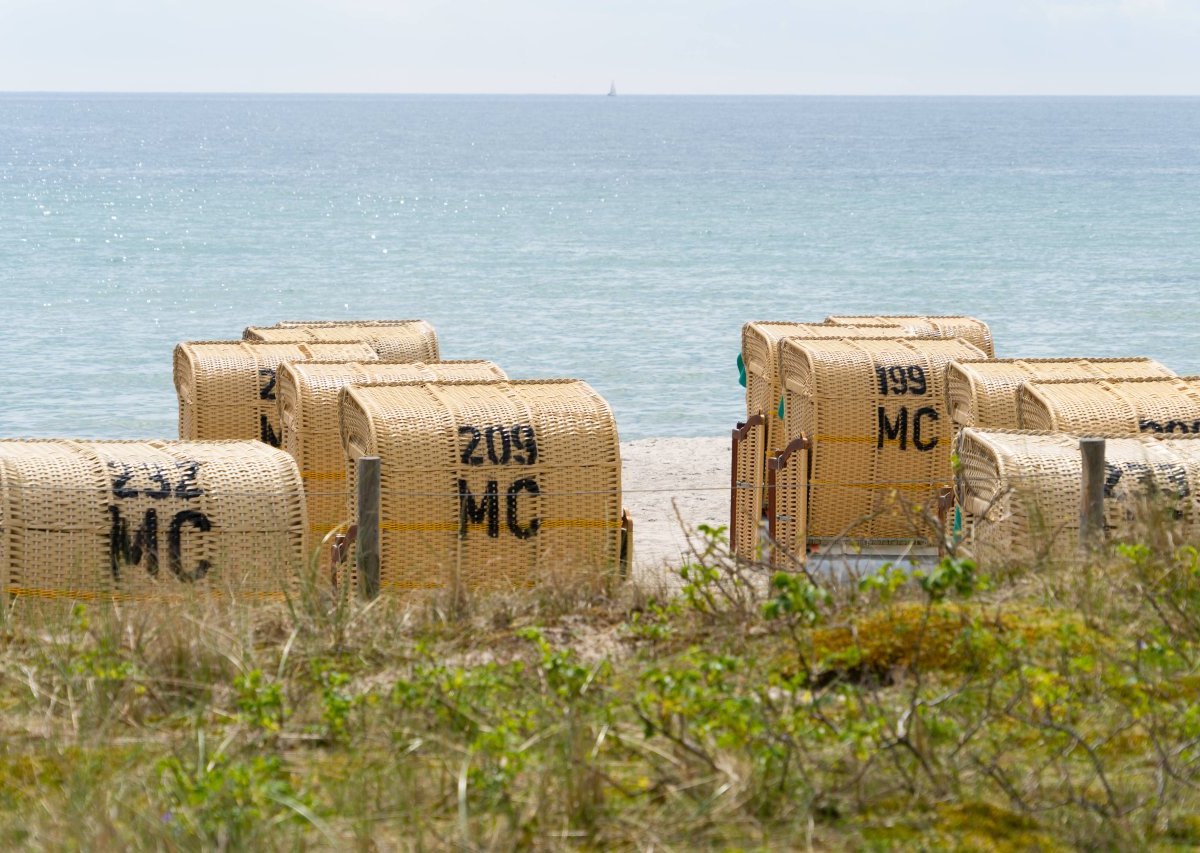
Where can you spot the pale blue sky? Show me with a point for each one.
(561, 46)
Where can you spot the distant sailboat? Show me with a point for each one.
(612, 89)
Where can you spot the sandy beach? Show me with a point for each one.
(670, 486)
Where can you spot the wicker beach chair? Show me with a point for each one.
(394, 340)
(310, 420)
(131, 520)
(490, 483)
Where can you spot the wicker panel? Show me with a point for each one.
(760, 354)
(460, 508)
(394, 340)
(226, 389)
(983, 393)
(967, 328)
(1021, 490)
(308, 394)
(875, 412)
(747, 502)
(1111, 406)
(791, 506)
(89, 519)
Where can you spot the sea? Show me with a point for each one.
(620, 240)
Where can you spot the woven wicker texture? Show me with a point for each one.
(791, 508)
(489, 483)
(226, 389)
(983, 393)
(875, 412)
(394, 340)
(1111, 406)
(308, 394)
(760, 354)
(90, 519)
(1020, 491)
(746, 508)
(967, 328)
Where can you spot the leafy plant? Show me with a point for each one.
(227, 802)
(952, 574)
(259, 702)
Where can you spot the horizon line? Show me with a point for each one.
(594, 93)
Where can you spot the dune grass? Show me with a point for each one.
(1048, 707)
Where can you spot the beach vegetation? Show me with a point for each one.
(736, 705)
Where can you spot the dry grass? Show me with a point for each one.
(953, 709)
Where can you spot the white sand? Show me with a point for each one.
(663, 476)
(691, 475)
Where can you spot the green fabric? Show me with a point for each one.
(781, 408)
(741, 371)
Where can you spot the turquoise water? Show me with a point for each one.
(622, 240)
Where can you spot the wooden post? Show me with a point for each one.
(626, 544)
(944, 505)
(367, 551)
(1091, 505)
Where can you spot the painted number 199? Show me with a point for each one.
(898, 380)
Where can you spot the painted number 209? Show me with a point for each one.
(499, 445)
